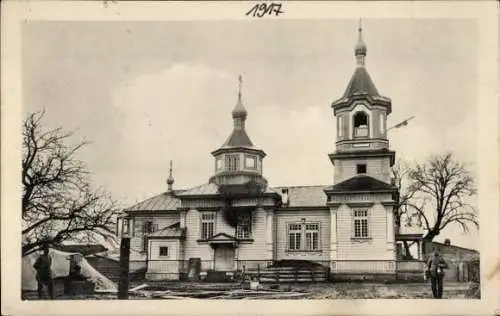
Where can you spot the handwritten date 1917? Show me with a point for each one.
(260, 10)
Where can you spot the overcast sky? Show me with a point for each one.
(147, 92)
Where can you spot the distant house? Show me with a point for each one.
(458, 259)
(236, 222)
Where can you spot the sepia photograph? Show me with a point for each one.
(330, 158)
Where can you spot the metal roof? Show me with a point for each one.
(361, 183)
(303, 196)
(238, 138)
(360, 83)
(204, 189)
(298, 196)
(162, 202)
(172, 231)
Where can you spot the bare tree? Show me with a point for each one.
(445, 183)
(59, 202)
(407, 212)
(434, 195)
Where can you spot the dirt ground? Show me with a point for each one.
(307, 291)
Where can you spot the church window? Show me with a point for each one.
(382, 124)
(361, 169)
(340, 128)
(244, 226)
(303, 236)
(250, 162)
(147, 228)
(361, 223)
(232, 162)
(207, 224)
(163, 251)
(360, 121)
(294, 236)
(312, 236)
(218, 163)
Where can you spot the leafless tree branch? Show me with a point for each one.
(58, 201)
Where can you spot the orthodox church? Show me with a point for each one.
(235, 222)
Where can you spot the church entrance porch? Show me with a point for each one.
(224, 259)
(224, 256)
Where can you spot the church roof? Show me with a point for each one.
(204, 189)
(361, 183)
(166, 201)
(238, 138)
(304, 196)
(360, 83)
(172, 231)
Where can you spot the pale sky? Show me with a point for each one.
(147, 92)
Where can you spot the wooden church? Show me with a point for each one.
(236, 224)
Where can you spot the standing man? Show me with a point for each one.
(435, 269)
(44, 273)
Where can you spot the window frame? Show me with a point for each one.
(382, 123)
(354, 128)
(219, 163)
(232, 162)
(340, 127)
(240, 233)
(253, 158)
(207, 221)
(358, 165)
(160, 248)
(364, 223)
(300, 233)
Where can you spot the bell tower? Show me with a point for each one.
(362, 147)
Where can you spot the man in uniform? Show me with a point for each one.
(435, 269)
(44, 273)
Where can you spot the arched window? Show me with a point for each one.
(360, 124)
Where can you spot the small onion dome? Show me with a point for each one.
(360, 48)
(239, 110)
(170, 180)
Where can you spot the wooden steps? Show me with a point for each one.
(289, 274)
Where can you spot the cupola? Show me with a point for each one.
(238, 163)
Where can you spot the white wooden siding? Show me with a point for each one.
(160, 267)
(192, 248)
(257, 249)
(246, 251)
(374, 248)
(377, 168)
(161, 221)
(314, 216)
